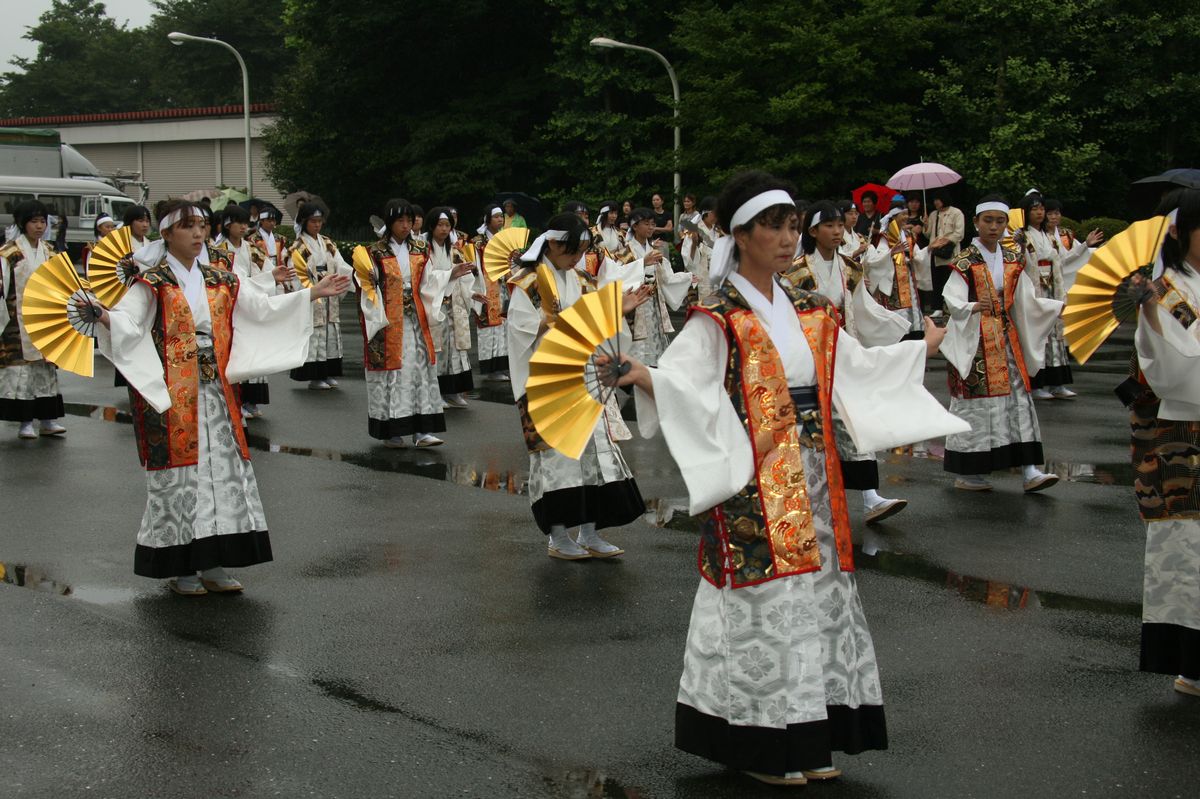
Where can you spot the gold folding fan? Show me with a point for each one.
(61, 334)
(503, 249)
(565, 396)
(1097, 304)
(1016, 219)
(364, 268)
(300, 264)
(110, 267)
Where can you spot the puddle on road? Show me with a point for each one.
(589, 784)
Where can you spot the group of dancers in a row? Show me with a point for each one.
(803, 353)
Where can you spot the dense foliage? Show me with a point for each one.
(456, 102)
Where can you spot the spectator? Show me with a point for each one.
(578, 208)
(945, 221)
(689, 210)
(869, 218)
(512, 218)
(664, 226)
(623, 219)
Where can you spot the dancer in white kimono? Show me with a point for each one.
(895, 267)
(398, 334)
(779, 670)
(996, 338)
(854, 245)
(597, 490)
(183, 335)
(823, 269)
(453, 331)
(324, 364)
(651, 324)
(1043, 260)
(490, 301)
(1164, 400)
(28, 382)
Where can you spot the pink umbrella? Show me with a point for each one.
(923, 176)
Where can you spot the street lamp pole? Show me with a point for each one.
(603, 41)
(179, 38)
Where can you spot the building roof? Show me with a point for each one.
(139, 116)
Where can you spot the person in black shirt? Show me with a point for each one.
(869, 216)
(664, 226)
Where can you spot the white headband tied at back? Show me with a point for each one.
(995, 205)
(535, 249)
(721, 261)
(176, 216)
(1159, 266)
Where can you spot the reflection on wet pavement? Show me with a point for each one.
(590, 784)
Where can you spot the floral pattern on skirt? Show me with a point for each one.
(1171, 591)
(411, 390)
(996, 422)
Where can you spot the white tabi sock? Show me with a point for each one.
(870, 498)
(1030, 471)
(559, 537)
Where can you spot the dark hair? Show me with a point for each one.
(845, 206)
(602, 215)
(639, 214)
(990, 198)
(574, 227)
(275, 214)
(135, 212)
(829, 213)
(434, 214)
(942, 194)
(169, 207)
(29, 210)
(690, 196)
(709, 203)
(742, 187)
(921, 203)
(868, 193)
(418, 211)
(1028, 203)
(96, 226)
(234, 213)
(507, 201)
(1175, 248)
(575, 207)
(487, 212)
(1051, 204)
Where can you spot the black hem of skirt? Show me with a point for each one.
(1052, 376)
(235, 550)
(860, 475)
(493, 365)
(456, 384)
(1005, 457)
(317, 370)
(767, 750)
(119, 380)
(255, 393)
(26, 410)
(610, 505)
(913, 335)
(1170, 649)
(383, 429)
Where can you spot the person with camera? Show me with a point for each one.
(944, 222)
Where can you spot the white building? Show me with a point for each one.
(176, 150)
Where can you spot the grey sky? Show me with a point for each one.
(18, 17)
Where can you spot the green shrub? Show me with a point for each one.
(1067, 223)
(1109, 226)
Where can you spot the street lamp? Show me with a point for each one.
(604, 41)
(178, 38)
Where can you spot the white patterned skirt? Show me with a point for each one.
(405, 401)
(649, 349)
(1004, 430)
(1171, 598)
(324, 345)
(598, 488)
(779, 675)
(493, 349)
(860, 471)
(453, 365)
(30, 391)
(1057, 368)
(207, 515)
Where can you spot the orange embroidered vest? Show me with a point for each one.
(385, 352)
(767, 531)
(989, 371)
(171, 439)
(493, 309)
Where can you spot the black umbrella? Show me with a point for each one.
(527, 206)
(1147, 192)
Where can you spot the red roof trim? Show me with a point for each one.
(139, 116)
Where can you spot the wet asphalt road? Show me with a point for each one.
(412, 639)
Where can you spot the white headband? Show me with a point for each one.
(991, 206)
(442, 216)
(535, 249)
(266, 215)
(816, 220)
(1159, 266)
(316, 215)
(177, 215)
(605, 209)
(105, 218)
(721, 261)
(494, 211)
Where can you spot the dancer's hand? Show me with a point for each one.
(933, 336)
(92, 311)
(636, 374)
(635, 297)
(330, 286)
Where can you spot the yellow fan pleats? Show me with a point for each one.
(563, 410)
(105, 273)
(301, 266)
(364, 268)
(499, 253)
(48, 313)
(1088, 319)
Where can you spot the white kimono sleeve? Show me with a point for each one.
(435, 286)
(631, 274)
(962, 329)
(1171, 363)
(270, 334)
(374, 315)
(127, 344)
(697, 418)
(869, 380)
(263, 279)
(1072, 261)
(673, 285)
(874, 325)
(524, 321)
(922, 267)
(1036, 318)
(880, 268)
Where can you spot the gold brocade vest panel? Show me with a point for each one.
(171, 439)
(801, 276)
(1165, 452)
(538, 284)
(989, 376)
(766, 531)
(11, 353)
(901, 297)
(259, 245)
(493, 310)
(219, 258)
(385, 352)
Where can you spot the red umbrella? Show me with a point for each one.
(883, 192)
